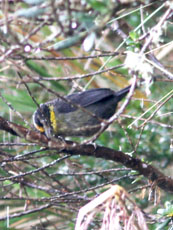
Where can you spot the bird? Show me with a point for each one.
(79, 114)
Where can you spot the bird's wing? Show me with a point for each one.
(83, 99)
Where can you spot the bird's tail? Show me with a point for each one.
(122, 93)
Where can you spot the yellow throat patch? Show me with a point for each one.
(53, 118)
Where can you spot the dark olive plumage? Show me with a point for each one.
(80, 114)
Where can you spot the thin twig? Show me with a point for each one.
(29, 91)
(68, 58)
(158, 102)
(13, 109)
(35, 170)
(77, 76)
(27, 212)
(152, 115)
(151, 121)
(91, 173)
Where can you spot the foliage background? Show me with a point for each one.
(46, 42)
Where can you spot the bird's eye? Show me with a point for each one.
(39, 123)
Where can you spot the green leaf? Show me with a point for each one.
(71, 41)
(41, 70)
(133, 35)
(34, 2)
(101, 6)
(31, 12)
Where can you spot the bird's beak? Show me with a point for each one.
(47, 129)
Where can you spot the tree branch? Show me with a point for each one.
(73, 148)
